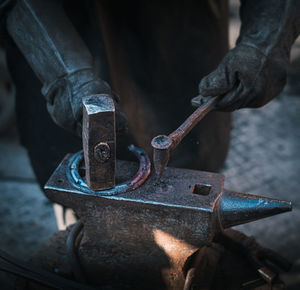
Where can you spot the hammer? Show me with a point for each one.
(163, 144)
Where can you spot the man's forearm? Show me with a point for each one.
(270, 24)
(58, 56)
(48, 40)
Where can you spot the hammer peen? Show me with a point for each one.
(163, 144)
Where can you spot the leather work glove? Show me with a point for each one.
(59, 58)
(254, 72)
(64, 100)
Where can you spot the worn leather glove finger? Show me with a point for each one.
(75, 125)
(245, 78)
(60, 111)
(214, 85)
(64, 101)
(232, 99)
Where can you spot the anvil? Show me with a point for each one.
(149, 234)
(147, 228)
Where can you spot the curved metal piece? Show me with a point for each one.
(133, 183)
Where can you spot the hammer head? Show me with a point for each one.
(161, 152)
(99, 141)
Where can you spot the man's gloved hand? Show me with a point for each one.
(64, 100)
(246, 77)
(254, 72)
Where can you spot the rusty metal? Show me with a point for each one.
(102, 152)
(148, 234)
(163, 144)
(99, 139)
(138, 178)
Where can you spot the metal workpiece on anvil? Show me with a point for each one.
(99, 141)
(159, 225)
(163, 145)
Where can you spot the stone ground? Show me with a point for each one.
(264, 159)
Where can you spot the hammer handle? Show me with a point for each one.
(192, 121)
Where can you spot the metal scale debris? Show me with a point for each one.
(138, 226)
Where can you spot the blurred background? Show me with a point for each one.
(264, 159)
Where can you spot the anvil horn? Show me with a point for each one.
(237, 208)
